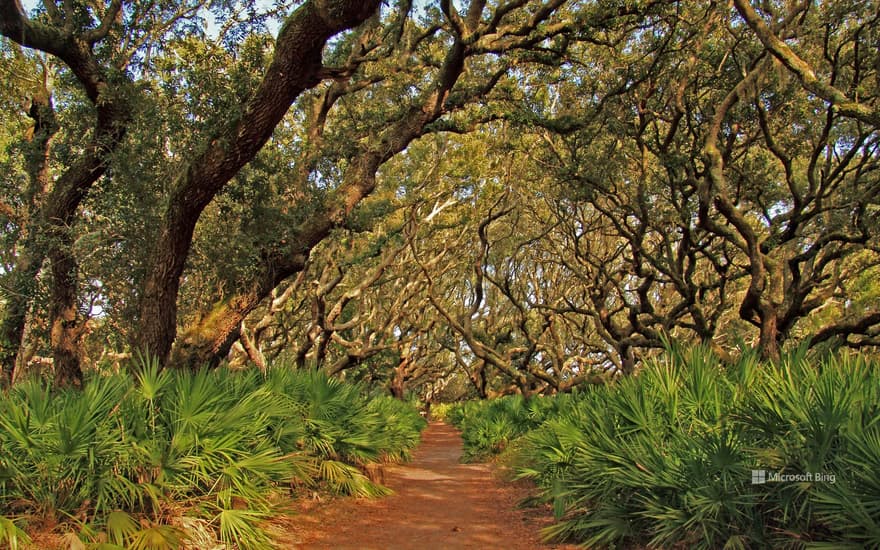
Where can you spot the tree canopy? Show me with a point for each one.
(455, 197)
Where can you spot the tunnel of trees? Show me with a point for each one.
(448, 198)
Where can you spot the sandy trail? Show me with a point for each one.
(438, 503)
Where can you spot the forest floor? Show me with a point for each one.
(437, 503)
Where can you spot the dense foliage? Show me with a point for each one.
(174, 456)
(441, 197)
(674, 456)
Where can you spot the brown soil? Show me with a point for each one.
(437, 503)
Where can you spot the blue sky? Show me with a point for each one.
(31, 4)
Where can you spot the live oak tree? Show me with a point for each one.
(296, 66)
(408, 79)
(215, 144)
(71, 35)
(610, 132)
(488, 273)
(652, 242)
(821, 133)
(724, 180)
(97, 44)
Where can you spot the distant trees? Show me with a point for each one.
(723, 176)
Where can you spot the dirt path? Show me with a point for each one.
(438, 503)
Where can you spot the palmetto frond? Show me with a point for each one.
(132, 453)
(666, 458)
(12, 535)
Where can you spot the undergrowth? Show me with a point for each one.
(676, 456)
(169, 459)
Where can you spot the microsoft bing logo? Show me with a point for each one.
(761, 477)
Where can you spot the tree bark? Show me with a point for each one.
(768, 339)
(251, 347)
(65, 330)
(397, 385)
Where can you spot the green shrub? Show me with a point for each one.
(126, 456)
(489, 427)
(666, 458)
(12, 535)
(441, 411)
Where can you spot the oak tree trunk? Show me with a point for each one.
(65, 330)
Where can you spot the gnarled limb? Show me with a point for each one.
(806, 74)
(295, 67)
